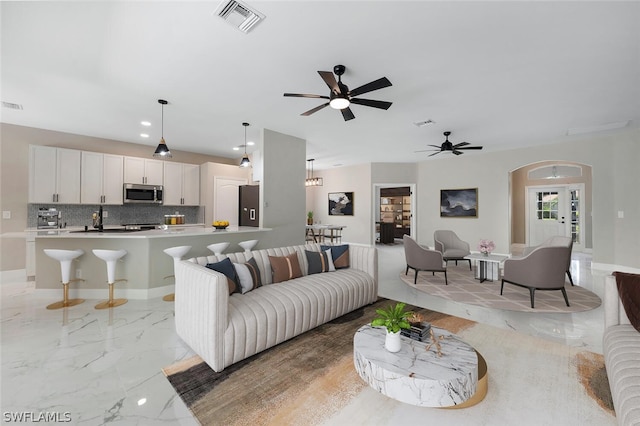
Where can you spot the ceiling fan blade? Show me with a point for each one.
(458, 145)
(316, 109)
(436, 146)
(456, 152)
(471, 147)
(328, 78)
(305, 95)
(369, 87)
(371, 103)
(437, 152)
(347, 114)
(426, 150)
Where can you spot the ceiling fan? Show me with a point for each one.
(341, 97)
(448, 146)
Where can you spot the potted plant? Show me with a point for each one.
(309, 218)
(394, 318)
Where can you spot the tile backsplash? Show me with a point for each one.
(80, 214)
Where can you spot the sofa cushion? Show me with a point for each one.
(629, 292)
(621, 345)
(285, 268)
(225, 267)
(340, 255)
(319, 261)
(248, 275)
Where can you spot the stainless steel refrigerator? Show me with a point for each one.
(249, 202)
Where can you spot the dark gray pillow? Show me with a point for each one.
(226, 267)
(319, 261)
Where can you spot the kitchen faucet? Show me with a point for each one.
(97, 220)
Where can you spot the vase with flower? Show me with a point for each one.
(486, 247)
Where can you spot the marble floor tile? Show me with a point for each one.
(104, 366)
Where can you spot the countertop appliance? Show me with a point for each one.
(48, 218)
(138, 193)
(249, 211)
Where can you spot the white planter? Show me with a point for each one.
(392, 342)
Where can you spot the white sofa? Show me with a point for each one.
(224, 329)
(621, 347)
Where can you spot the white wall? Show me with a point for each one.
(614, 159)
(356, 179)
(282, 189)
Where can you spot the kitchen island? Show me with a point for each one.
(145, 267)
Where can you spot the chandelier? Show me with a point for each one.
(310, 180)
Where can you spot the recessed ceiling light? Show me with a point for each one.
(250, 143)
(145, 123)
(144, 135)
(236, 148)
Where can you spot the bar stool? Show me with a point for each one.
(65, 257)
(218, 248)
(248, 245)
(110, 256)
(176, 253)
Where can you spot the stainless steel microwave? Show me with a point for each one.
(136, 193)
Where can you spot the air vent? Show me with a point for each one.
(424, 123)
(239, 15)
(11, 105)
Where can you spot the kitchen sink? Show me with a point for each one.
(108, 231)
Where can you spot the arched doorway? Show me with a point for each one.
(551, 198)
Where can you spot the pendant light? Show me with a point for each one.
(310, 180)
(245, 160)
(162, 150)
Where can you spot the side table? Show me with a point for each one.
(488, 266)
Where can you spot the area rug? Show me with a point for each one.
(310, 380)
(464, 288)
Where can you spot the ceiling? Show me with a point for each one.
(499, 74)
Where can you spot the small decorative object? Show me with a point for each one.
(486, 247)
(394, 318)
(435, 341)
(419, 329)
(220, 224)
(309, 218)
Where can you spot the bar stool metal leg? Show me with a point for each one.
(111, 257)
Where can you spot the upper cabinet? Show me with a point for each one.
(143, 170)
(181, 184)
(101, 178)
(54, 175)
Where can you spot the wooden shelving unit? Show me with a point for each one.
(395, 208)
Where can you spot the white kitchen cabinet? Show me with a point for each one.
(54, 175)
(181, 184)
(101, 178)
(143, 170)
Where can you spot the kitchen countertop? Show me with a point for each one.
(171, 231)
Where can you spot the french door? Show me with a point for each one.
(555, 210)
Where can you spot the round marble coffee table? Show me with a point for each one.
(416, 376)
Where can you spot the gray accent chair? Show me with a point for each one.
(541, 269)
(556, 241)
(422, 259)
(451, 247)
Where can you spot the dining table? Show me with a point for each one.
(318, 233)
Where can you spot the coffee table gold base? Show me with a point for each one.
(481, 387)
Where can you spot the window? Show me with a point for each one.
(575, 215)
(547, 205)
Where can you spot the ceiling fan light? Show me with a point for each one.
(339, 103)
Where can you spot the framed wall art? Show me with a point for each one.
(459, 202)
(341, 204)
